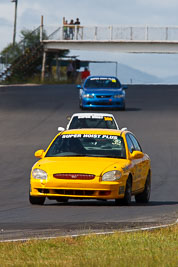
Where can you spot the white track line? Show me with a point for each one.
(100, 233)
(17, 85)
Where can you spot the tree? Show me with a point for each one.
(25, 57)
(10, 53)
(28, 39)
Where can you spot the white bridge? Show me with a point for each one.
(121, 38)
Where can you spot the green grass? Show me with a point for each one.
(148, 248)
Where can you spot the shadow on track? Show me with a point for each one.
(112, 203)
(133, 109)
(111, 109)
(158, 203)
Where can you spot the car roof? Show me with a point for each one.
(85, 115)
(102, 76)
(91, 115)
(95, 131)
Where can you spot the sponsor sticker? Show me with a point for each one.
(107, 118)
(71, 135)
(121, 190)
(103, 79)
(101, 136)
(90, 117)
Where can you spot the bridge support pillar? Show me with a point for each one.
(43, 67)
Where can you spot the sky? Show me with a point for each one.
(96, 12)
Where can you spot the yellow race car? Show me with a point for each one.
(91, 164)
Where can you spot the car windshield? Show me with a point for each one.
(100, 122)
(87, 145)
(102, 83)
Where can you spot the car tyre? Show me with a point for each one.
(144, 197)
(124, 107)
(36, 200)
(80, 104)
(126, 201)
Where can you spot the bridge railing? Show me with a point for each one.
(115, 33)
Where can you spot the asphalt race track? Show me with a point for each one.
(29, 117)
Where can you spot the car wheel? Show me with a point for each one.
(62, 199)
(144, 197)
(80, 104)
(123, 108)
(128, 195)
(36, 200)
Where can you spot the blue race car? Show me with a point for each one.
(102, 92)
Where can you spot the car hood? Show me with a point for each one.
(88, 165)
(103, 91)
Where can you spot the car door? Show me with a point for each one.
(133, 145)
(142, 165)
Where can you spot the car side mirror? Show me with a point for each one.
(79, 86)
(136, 155)
(125, 87)
(39, 153)
(61, 129)
(124, 129)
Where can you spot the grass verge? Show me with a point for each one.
(148, 248)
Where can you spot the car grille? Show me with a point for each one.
(108, 103)
(71, 192)
(74, 192)
(74, 176)
(103, 96)
(103, 103)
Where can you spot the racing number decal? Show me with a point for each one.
(107, 118)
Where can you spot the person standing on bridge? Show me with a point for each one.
(71, 29)
(65, 29)
(77, 22)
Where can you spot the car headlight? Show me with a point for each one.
(118, 96)
(88, 96)
(39, 174)
(111, 176)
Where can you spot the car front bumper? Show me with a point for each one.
(74, 189)
(103, 103)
